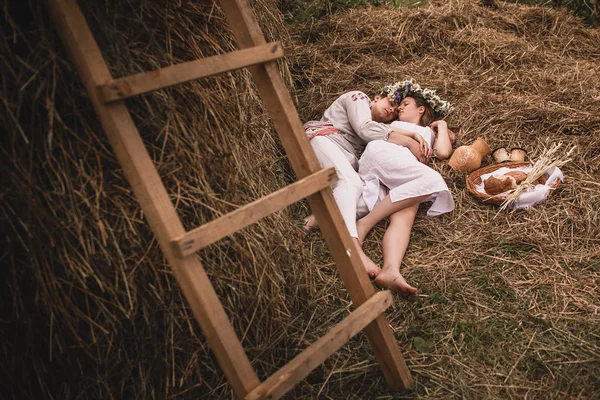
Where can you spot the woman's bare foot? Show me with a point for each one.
(310, 223)
(395, 282)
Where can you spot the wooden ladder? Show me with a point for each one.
(180, 247)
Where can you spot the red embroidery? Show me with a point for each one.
(359, 96)
(322, 129)
(323, 132)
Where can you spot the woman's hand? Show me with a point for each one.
(436, 124)
(422, 154)
(444, 139)
(404, 138)
(452, 136)
(422, 143)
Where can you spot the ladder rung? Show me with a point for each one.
(299, 368)
(210, 232)
(144, 82)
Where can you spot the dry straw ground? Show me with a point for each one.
(509, 307)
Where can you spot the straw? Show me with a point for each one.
(546, 162)
(509, 307)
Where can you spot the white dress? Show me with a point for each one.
(386, 166)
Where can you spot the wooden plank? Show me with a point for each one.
(304, 162)
(145, 82)
(150, 192)
(212, 231)
(299, 368)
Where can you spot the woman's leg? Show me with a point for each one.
(384, 209)
(395, 243)
(346, 191)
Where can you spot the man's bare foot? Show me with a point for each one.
(310, 223)
(362, 231)
(372, 269)
(395, 282)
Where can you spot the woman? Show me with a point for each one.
(396, 182)
(340, 137)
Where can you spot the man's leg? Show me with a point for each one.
(346, 191)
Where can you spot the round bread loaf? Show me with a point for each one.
(495, 185)
(519, 176)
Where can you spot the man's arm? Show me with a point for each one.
(404, 132)
(408, 142)
(414, 135)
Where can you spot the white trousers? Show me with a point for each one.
(347, 191)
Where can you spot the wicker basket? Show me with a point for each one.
(474, 179)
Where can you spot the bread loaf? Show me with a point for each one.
(519, 176)
(495, 185)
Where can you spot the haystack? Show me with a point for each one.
(509, 306)
(92, 307)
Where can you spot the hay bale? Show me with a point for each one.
(88, 295)
(90, 308)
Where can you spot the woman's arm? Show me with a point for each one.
(443, 142)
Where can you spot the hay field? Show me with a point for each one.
(510, 302)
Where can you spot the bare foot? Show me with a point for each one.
(310, 223)
(395, 282)
(372, 269)
(362, 231)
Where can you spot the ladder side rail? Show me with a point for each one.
(303, 160)
(355, 279)
(150, 192)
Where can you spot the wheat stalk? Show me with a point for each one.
(546, 162)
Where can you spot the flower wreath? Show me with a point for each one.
(399, 90)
